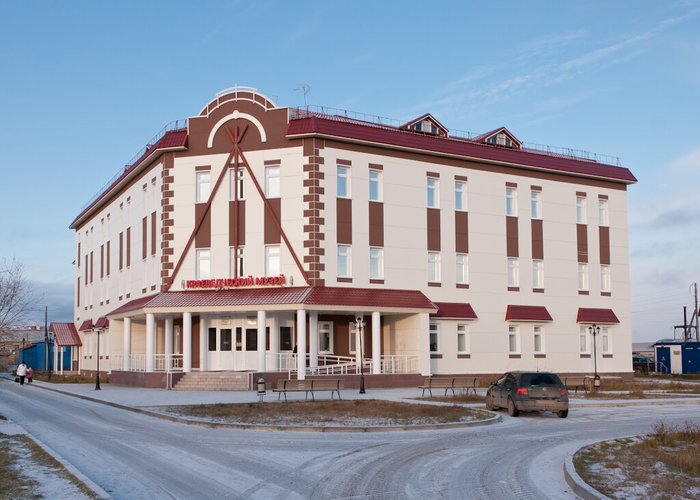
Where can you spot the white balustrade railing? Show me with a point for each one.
(392, 363)
(168, 363)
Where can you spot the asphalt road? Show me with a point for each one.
(134, 456)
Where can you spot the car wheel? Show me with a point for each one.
(489, 403)
(512, 410)
(562, 413)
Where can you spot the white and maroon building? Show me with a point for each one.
(263, 239)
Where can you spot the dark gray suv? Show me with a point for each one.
(528, 391)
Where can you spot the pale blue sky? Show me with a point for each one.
(85, 84)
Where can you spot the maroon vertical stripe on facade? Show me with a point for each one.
(236, 225)
(512, 249)
(203, 237)
(537, 239)
(144, 238)
(272, 232)
(92, 261)
(128, 246)
(87, 269)
(108, 259)
(121, 250)
(376, 224)
(604, 238)
(153, 233)
(582, 242)
(102, 261)
(241, 222)
(343, 208)
(461, 232)
(78, 255)
(433, 223)
(78, 292)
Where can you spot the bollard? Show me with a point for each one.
(261, 388)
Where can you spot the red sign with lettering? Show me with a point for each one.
(237, 282)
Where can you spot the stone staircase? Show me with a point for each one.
(214, 381)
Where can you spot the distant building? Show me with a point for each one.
(677, 356)
(252, 232)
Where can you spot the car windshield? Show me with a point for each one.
(529, 379)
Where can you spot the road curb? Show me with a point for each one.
(578, 485)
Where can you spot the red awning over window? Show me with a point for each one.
(65, 334)
(86, 325)
(600, 316)
(527, 313)
(455, 310)
(102, 322)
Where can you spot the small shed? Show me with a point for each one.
(68, 346)
(677, 356)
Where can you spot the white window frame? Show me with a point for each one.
(434, 267)
(273, 184)
(375, 178)
(513, 339)
(343, 173)
(241, 261)
(538, 331)
(203, 186)
(583, 281)
(273, 260)
(460, 196)
(232, 183)
(323, 327)
(535, 204)
(605, 279)
(584, 346)
(376, 263)
(581, 210)
(513, 271)
(463, 339)
(433, 192)
(344, 253)
(203, 264)
(462, 268)
(352, 342)
(603, 212)
(605, 340)
(537, 273)
(512, 201)
(434, 332)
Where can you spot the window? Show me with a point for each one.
(233, 264)
(376, 263)
(583, 340)
(580, 210)
(513, 340)
(537, 274)
(583, 277)
(203, 186)
(272, 260)
(536, 204)
(511, 201)
(239, 338)
(462, 269)
(605, 279)
(460, 195)
(434, 343)
(603, 216)
(538, 337)
(232, 183)
(203, 264)
(286, 338)
(605, 340)
(343, 186)
(251, 339)
(513, 272)
(325, 337)
(225, 342)
(344, 261)
(353, 339)
(272, 182)
(212, 339)
(434, 267)
(433, 192)
(375, 185)
(462, 339)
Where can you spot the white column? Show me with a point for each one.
(424, 344)
(150, 341)
(55, 356)
(301, 344)
(313, 339)
(60, 358)
(169, 321)
(262, 340)
(376, 343)
(274, 342)
(203, 338)
(186, 342)
(127, 344)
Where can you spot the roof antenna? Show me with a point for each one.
(304, 87)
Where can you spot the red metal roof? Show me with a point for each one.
(454, 310)
(102, 322)
(328, 296)
(326, 126)
(527, 313)
(65, 334)
(86, 325)
(601, 316)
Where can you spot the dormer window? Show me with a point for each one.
(501, 139)
(426, 124)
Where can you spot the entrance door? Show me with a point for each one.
(663, 360)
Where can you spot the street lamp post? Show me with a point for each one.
(97, 372)
(594, 331)
(360, 325)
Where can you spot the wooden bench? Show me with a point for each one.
(577, 381)
(308, 386)
(449, 384)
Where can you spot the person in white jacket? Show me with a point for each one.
(21, 372)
